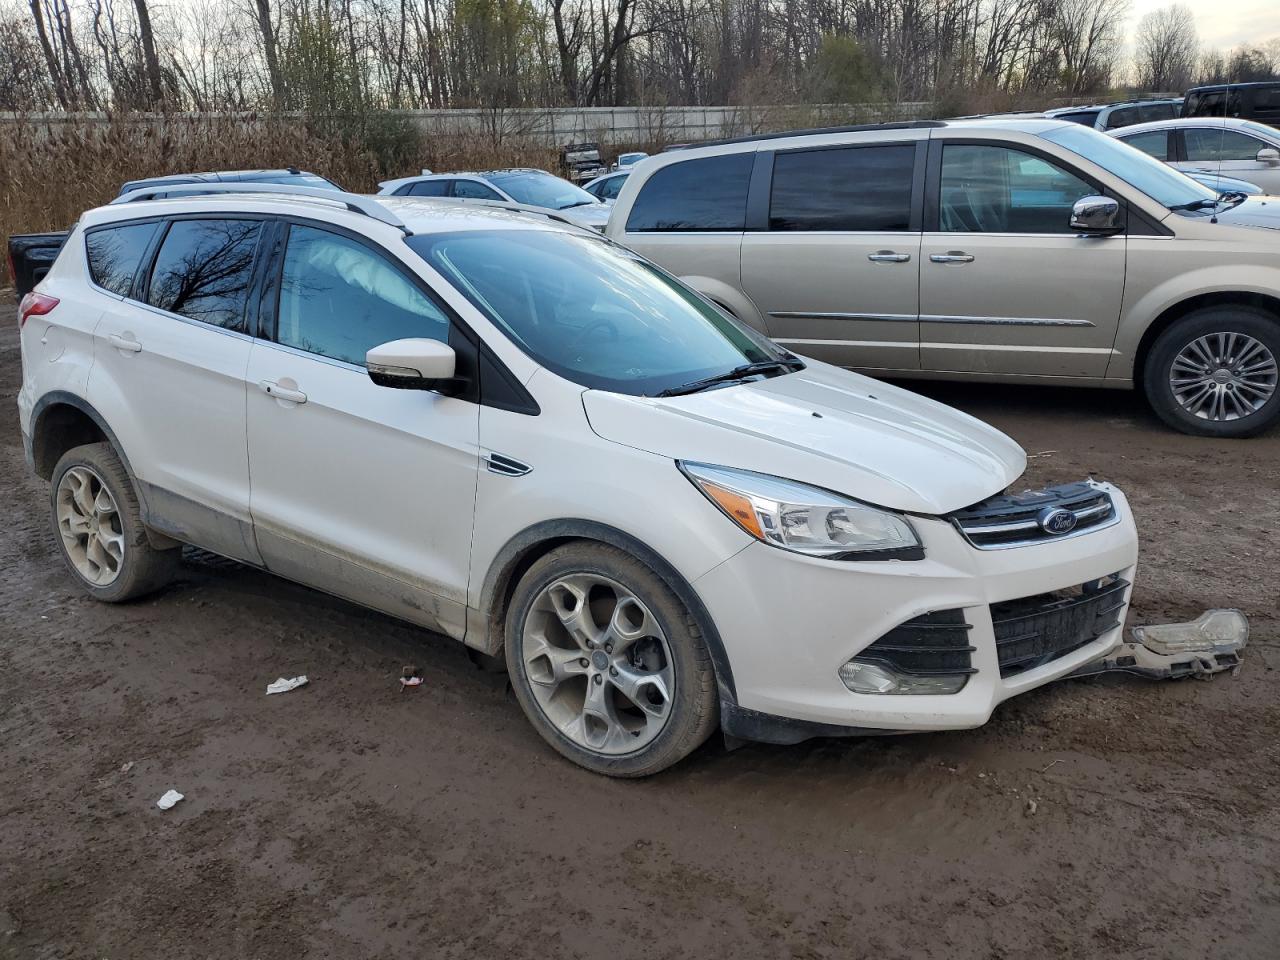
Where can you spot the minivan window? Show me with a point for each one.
(114, 254)
(203, 270)
(1001, 190)
(707, 193)
(592, 312)
(427, 188)
(1154, 143)
(1122, 117)
(1217, 144)
(339, 299)
(850, 188)
(1158, 181)
(1207, 103)
(474, 190)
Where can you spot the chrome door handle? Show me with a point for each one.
(273, 389)
(124, 343)
(955, 256)
(888, 256)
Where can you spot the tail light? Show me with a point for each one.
(35, 305)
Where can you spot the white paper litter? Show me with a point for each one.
(284, 685)
(169, 799)
(410, 681)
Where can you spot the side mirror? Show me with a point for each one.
(1270, 156)
(1097, 216)
(414, 364)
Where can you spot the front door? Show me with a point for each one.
(836, 273)
(1231, 153)
(1006, 287)
(367, 492)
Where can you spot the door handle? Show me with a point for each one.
(273, 389)
(124, 343)
(951, 256)
(888, 256)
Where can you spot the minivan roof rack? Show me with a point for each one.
(512, 206)
(814, 131)
(368, 206)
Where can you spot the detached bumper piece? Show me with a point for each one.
(1033, 631)
(925, 655)
(1170, 651)
(1035, 516)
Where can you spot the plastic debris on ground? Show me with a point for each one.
(169, 799)
(284, 685)
(410, 676)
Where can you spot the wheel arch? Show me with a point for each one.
(1172, 314)
(485, 631)
(61, 420)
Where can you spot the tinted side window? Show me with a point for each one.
(203, 270)
(609, 189)
(1122, 117)
(709, 193)
(1086, 117)
(1220, 144)
(1157, 111)
(474, 190)
(1210, 103)
(1154, 143)
(428, 188)
(999, 190)
(339, 299)
(853, 188)
(114, 254)
(1266, 103)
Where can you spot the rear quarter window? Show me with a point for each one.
(707, 193)
(115, 253)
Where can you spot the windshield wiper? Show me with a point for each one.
(737, 373)
(1204, 204)
(577, 203)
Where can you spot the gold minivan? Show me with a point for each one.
(1028, 251)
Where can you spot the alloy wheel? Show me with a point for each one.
(1223, 376)
(90, 524)
(598, 664)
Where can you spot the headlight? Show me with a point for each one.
(805, 519)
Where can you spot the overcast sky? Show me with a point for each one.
(1222, 23)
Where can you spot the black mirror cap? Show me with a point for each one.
(448, 386)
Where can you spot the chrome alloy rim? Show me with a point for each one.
(1223, 376)
(598, 663)
(90, 525)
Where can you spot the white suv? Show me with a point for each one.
(518, 433)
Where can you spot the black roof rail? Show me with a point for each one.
(814, 131)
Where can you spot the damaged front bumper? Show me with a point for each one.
(1198, 648)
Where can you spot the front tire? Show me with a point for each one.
(98, 527)
(1213, 373)
(607, 663)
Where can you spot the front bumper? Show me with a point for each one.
(788, 622)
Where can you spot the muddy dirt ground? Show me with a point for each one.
(1111, 816)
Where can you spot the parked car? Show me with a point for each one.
(540, 444)
(1023, 251)
(1112, 116)
(534, 188)
(1245, 101)
(31, 255)
(629, 159)
(1213, 147)
(606, 188)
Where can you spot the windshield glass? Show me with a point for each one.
(541, 190)
(1158, 181)
(1270, 133)
(593, 312)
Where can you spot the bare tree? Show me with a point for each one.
(1088, 33)
(1167, 48)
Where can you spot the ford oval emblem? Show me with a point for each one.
(1056, 521)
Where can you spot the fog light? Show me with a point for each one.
(1206, 633)
(877, 678)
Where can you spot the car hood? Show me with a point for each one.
(594, 215)
(827, 427)
(1254, 212)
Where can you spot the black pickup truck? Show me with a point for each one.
(32, 254)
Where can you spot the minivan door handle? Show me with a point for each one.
(951, 256)
(124, 343)
(273, 389)
(888, 256)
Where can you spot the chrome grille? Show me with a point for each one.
(1013, 519)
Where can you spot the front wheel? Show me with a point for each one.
(1213, 373)
(607, 663)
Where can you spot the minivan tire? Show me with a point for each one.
(140, 568)
(1247, 321)
(618, 582)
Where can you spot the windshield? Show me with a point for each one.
(541, 190)
(593, 312)
(1158, 181)
(1271, 134)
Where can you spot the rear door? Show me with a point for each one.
(836, 268)
(1006, 287)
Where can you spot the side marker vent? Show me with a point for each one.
(505, 466)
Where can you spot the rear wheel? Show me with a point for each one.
(1213, 373)
(607, 663)
(97, 522)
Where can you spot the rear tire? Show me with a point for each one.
(607, 663)
(1213, 373)
(98, 526)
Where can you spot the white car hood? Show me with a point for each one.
(1260, 211)
(593, 215)
(827, 427)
